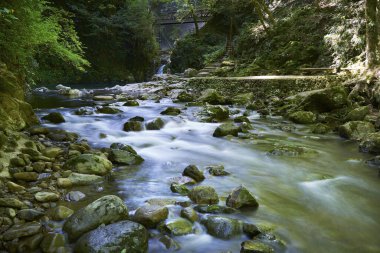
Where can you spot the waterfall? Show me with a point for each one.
(161, 70)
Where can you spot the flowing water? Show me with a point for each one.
(328, 202)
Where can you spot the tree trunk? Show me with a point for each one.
(195, 18)
(371, 33)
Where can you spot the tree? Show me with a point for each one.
(191, 8)
(371, 32)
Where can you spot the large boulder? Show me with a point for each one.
(359, 113)
(223, 227)
(150, 215)
(133, 126)
(54, 117)
(108, 110)
(22, 230)
(356, 130)
(204, 195)
(176, 227)
(216, 113)
(89, 164)
(193, 172)
(171, 111)
(213, 97)
(155, 124)
(371, 144)
(105, 210)
(255, 247)
(241, 197)
(243, 99)
(123, 236)
(125, 157)
(325, 100)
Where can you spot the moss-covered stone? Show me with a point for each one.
(133, 126)
(89, 164)
(255, 247)
(125, 157)
(54, 117)
(172, 111)
(226, 129)
(108, 110)
(356, 130)
(155, 124)
(212, 96)
(131, 103)
(193, 172)
(150, 215)
(240, 197)
(302, 117)
(358, 114)
(223, 227)
(371, 144)
(176, 227)
(204, 195)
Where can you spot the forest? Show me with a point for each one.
(135, 126)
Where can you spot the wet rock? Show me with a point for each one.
(123, 147)
(124, 236)
(255, 247)
(226, 129)
(214, 209)
(169, 243)
(161, 202)
(36, 130)
(178, 188)
(204, 195)
(12, 202)
(64, 183)
(60, 213)
(156, 124)
(190, 214)
(52, 242)
(303, 117)
(172, 111)
(251, 229)
(83, 111)
(89, 164)
(31, 243)
(105, 210)
(358, 114)
(133, 126)
(320, 129)
(23, 230)
(150, 216)
(46, 196)
(108, 110)
(223, 227)
(103, 98)
(356, 130)
(17, 162)
(176, 227)
(184, 97)
(125, 157)
(213, 97)
(8, 212)
(370, 144)
(193, 172)
(217, 170)
(189, 73)
(62, 135)
(137, 118)
(13, 187)
(240, 197)
(131, 103)
(241, 119)
(183, 180)
(78, 179)
(30, 214)
(54, 117)
(74, 196)
(216, 113)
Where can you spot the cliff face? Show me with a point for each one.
(15, 113)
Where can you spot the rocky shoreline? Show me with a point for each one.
(42, 168)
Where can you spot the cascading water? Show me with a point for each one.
(161, 70)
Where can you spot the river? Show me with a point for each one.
(326, 202)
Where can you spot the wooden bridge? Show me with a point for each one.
(170, 18)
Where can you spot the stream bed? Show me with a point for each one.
(325, 202)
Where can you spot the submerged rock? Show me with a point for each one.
(240, 197)
(131, 103)
(156, 124)
(193, 172)
(150, 215)
(356, 130)
(217, 170)
(125, 157)
(255, 247)
(89, 164)
(226, 129)
(54, 117)
(133, 126)
(291, 151)
(124, 236)
(108, 110)
(371, 144)
(223, 227)
(105, 210)
(204, 195)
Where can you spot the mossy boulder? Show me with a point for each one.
(241, 197)
(243, 99)
(255, 247)
(155, 124)
(179, 188)
(176, 227)
(223, 227)
(184, 96)
(216, 113)
(78, 179)
(358, 114)
(302, 117)
(89, 164)
(356, 130)
(125, 157)
(105, 210)
(204, 195)
(53, 242)
(151, 215)
(133, 126)
(54, 117)
(212, 96)
(108, 110)
(226, 129)
(123, 236)
(371, 144)
(217, 170)
(292, 151)
(171, 111)
(193, 172)
(214, 209)
(131, 103)
(320, 128)
(325, 100)
(189, 214)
